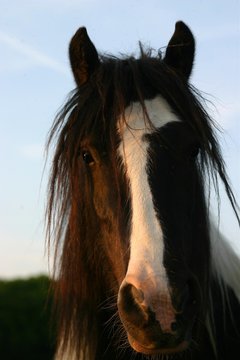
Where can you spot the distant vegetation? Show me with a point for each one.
(26, 331)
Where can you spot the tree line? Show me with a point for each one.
(26, 329)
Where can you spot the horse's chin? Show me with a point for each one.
(151, 349)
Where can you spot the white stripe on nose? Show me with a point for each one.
(145, 269)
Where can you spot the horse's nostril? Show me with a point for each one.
(137, 294)
(130, 297)
(130, 305)
(174, 326)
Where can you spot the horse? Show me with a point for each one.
(141, 271)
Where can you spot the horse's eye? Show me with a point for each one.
(194, 151)
(87, 157)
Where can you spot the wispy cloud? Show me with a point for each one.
(32, 151)
(36, 56)
(228, 115)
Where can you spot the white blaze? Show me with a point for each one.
(146, 236)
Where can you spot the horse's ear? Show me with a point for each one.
(180, 50)
(83, 56)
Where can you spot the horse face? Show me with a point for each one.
(158, 300)
(154, 231)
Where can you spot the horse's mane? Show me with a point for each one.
(94, 108)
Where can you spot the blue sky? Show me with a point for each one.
(35, 79)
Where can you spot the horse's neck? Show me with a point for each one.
(224, 311)
(225, 260)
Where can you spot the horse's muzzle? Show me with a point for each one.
(152, 324)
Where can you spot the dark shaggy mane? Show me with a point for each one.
(95, 107)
